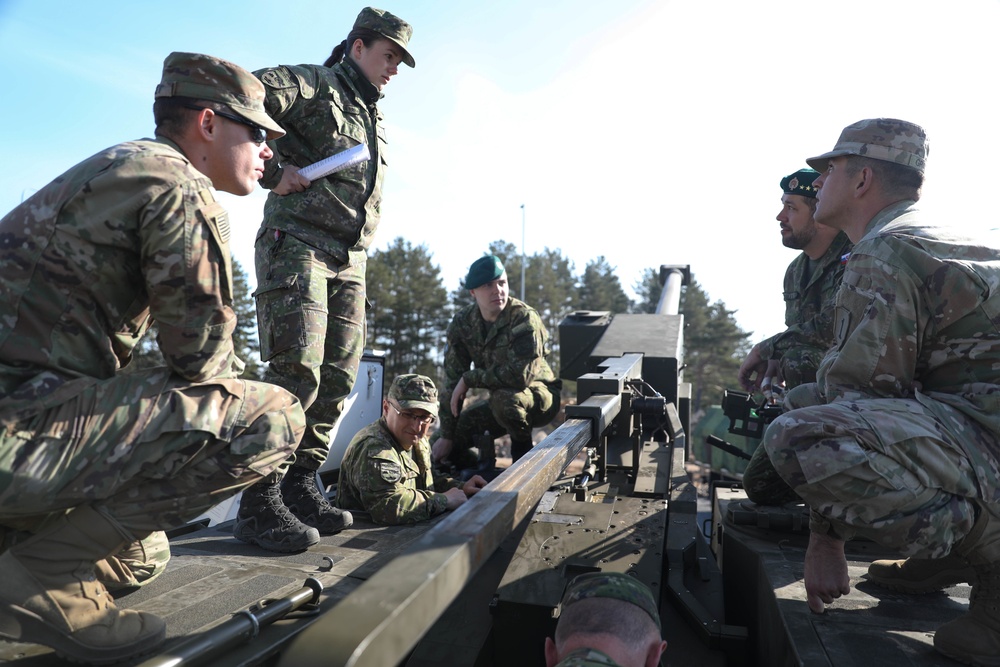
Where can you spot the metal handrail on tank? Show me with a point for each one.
(364, 629)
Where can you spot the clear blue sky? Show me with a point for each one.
(646, 131)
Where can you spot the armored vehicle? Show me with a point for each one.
(610, 489)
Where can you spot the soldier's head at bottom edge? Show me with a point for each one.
(610, 612)
(214, 111)
(410, 408)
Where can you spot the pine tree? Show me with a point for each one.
(409, 315)
(600, 289)
(714, 346)
(648, 288)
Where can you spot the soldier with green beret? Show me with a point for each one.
(94, 461)
(310, 258)
(606, 619)
(498, 344)
(898, 441)
(387, 469)
(792, 357)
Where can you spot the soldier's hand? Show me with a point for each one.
(752, 370)
(456, 498)
(291, 181)
(441, 449)
(458, 396)
(472, 487)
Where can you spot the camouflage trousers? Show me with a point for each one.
(137, 564)
(506, 411)
(152, 449)
(886, 469)
(311, 320)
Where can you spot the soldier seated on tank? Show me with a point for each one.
(499, 344)
(387, 469)
(607, 619)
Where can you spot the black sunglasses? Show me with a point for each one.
(258, 135)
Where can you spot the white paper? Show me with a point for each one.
(341, 160)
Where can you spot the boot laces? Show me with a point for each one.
(274, 503)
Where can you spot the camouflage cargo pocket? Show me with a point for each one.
(280, 320)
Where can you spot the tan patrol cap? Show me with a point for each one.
(886, 139)
(415, 391)
(211, 79)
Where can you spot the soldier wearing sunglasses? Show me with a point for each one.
(97, 457)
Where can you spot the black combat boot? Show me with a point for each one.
(264, 520)
(310, 505)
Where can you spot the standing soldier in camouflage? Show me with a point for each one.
(607, 619)
(310, 256)
(506, 342)
(899, 439)
(91, 458)
(791, 357)
(387, 467)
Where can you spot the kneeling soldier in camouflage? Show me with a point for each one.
(93, 459)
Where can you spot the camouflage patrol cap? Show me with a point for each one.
(886, 139)
(614, 585)
(415, 391)
(483, 270)
(389, 26)
(211, 79)
(800, 183)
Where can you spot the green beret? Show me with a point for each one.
(415, 391)
(389, 26)
(614, 585)
(483, 270)
(800, 183)
(207, 78)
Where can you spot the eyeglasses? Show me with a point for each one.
(258, 135)
(423, 421)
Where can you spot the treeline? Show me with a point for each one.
(411, 308)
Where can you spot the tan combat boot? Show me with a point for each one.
(921, 575)
(50, 595)
(975, 637)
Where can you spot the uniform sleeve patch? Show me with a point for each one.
(390, 471)
(277, 78)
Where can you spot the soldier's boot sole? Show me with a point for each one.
(921, 575)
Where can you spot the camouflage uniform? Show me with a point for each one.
(810, 289)
(509, 360)
(310, 253)
(902, 428)
(587, 657)
(393, 485)
(810, 296)
(87, 263)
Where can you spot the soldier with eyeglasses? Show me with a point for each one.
(387, 469)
